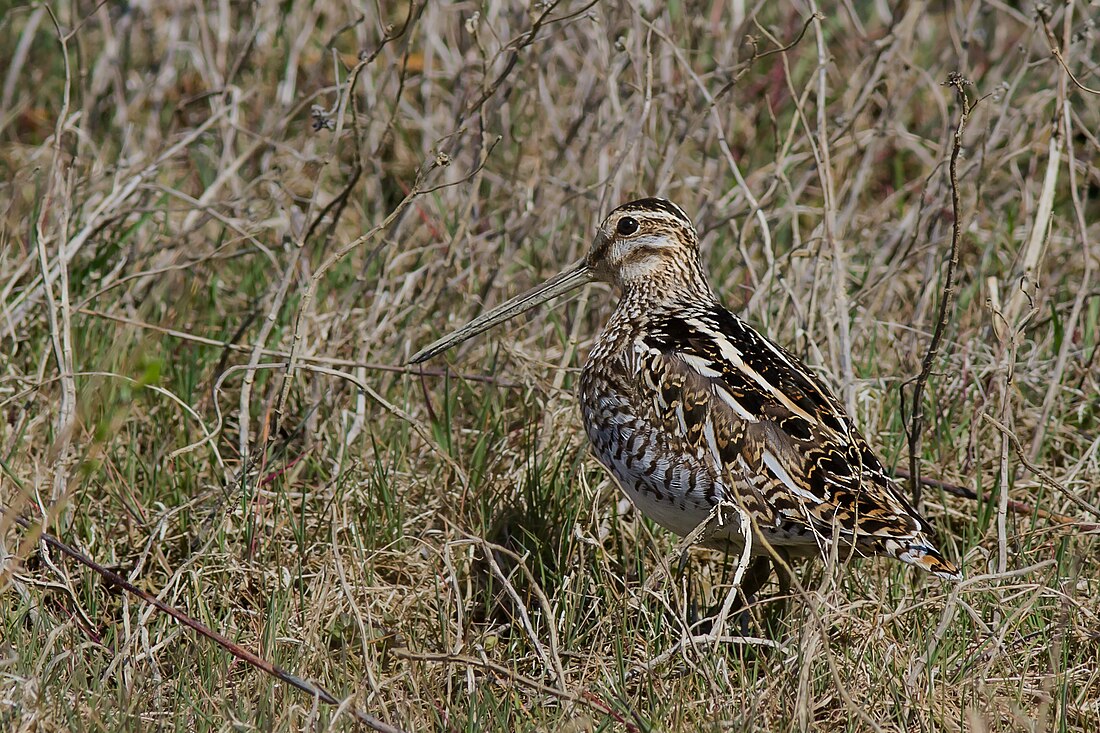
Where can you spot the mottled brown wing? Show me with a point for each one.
(774, 431)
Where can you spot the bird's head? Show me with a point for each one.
(643, 244)
(647, 247)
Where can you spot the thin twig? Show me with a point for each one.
(310, 293)
(551, 658)
(105, 209)
(699, 640)
(504, 673)
(221, 640)
(517, 47)
(839, 259)
(1042, 475)
(244, 415)
(1079, 301)
(756, 210)
(947, 298)
(1016, 507)
(1057, 53)
(59, 310)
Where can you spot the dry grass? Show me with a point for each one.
(191, 199)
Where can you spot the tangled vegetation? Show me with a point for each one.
(224, 228)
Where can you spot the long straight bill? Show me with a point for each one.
(561, 284)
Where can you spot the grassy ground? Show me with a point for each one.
(190, 195)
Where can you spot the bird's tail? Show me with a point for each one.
(918, 551)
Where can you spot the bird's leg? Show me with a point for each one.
(751, 583)
(780, 601)
(783, 571)
(755, 578)
(685, 575)
(692, 605)
(684, 549)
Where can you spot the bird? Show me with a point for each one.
(688, 408)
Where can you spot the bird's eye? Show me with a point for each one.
(627, 226)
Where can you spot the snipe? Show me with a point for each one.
(687, 406)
